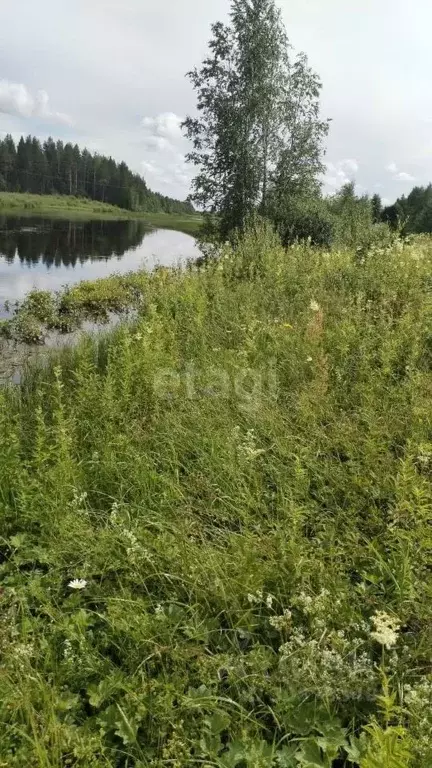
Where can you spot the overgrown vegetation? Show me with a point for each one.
(216, 518)
(43, 311)
(345, 220)
(216, 523)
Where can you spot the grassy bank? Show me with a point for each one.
(18, 204)
(65, 311)
(190, 225)
(216, 524)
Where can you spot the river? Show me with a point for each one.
(47, 254)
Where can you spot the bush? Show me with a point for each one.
(353, 217)
(305, 219)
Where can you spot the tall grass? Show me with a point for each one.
(242, 484)
(22, 202)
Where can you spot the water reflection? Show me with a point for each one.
(57, 243)
(48, 254)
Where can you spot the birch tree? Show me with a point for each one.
(257, 136)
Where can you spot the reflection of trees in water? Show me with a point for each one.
(57, 242)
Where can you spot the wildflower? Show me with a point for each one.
(287, 325)
(305, 601)
(314, 306)
(269, 601)
(317, 666)
(132, 539)
(79, 499)
(23, 650)
(309, 359)
(77, 584)
(114, 516)
(386, 629)
(159, 610)
(281, 622)
(247, 449)
(424, 459)
(257, 598)
(425, 455)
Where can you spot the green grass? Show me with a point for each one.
(191, 225)
(18, 204)
(243, 481)
(66, 310)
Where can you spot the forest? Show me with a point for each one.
(412, 213)
(57, 168)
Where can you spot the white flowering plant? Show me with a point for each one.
(198, 582)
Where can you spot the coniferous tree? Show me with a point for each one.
(58, 168)
(412, 213)
(8, 161)
(377, 208)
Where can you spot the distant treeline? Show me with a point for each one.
(57, 168)
(412, 213)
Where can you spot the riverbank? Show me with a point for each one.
(18, 204)
(43, 312)
(216, 520)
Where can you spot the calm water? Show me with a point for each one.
(50, 253)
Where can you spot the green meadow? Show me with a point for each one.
(215, 522)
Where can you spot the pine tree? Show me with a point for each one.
(23, 165)
(38, 180)
(377, 208)
(57, 168)
(8, 161)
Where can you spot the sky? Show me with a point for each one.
(110, 75)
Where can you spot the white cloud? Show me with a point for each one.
(103, 71)
(164, 165)
(402, 176)
(15, 99)
(166, 126)
(341, 172)
(349, 165)
(391, 168)
(156, 142)
(163, 174)
(397, 174)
